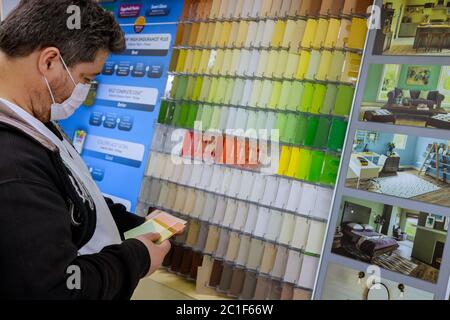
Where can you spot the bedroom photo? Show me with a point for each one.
(403, 166)
(396, 239)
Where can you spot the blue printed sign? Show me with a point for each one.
(119, 126)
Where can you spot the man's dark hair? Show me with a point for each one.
(38, 24)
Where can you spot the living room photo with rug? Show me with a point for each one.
(409, 95)
(396, 239)
(410, 167)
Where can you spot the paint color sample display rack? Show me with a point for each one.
(289, 66)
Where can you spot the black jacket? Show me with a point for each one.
(38, 241)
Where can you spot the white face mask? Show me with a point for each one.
(61, 111)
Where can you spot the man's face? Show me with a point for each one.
(62, 85)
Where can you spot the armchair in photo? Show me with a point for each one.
(389, 165)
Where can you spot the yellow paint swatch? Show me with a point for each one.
(229, 91)
(213, 89)
(321, 33)
(272, 63)
(275, 95)
(337, 64)
(181, 61)
(294, 163)
(189, 88)
(189, 61)
(324, 66)
(210, 33)
(284, 95)
(305, 164)
(285, 158)
(233, 34)
(217, 34)
(194, 34)
(226, 65)
(278, 35)
(221, 90)
(358, 33)
(303, 64)
(310, 33)
(202, 34)
(197, 88)
(226, 30)
(242, 34)
(266, 94)
(206, 85)
(300, 28)
(203, 66)
(256, 93)
(291, 65)
(236, 56)
(281, 64)
(332, 34)
(196, 62)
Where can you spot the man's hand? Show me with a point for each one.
(157, 252)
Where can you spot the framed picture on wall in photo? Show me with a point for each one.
(418, 75)
(438, 218)
(430, 222)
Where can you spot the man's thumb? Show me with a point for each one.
(153, 237)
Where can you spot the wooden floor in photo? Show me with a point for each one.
(440, 197)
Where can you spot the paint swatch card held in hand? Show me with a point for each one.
(160, 222)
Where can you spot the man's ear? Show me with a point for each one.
(48, 61)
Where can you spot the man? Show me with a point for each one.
(54, 222)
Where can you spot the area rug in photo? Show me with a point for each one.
(405, 185)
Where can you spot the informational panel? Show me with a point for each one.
(115, 126)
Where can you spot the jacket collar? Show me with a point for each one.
(11, 119)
